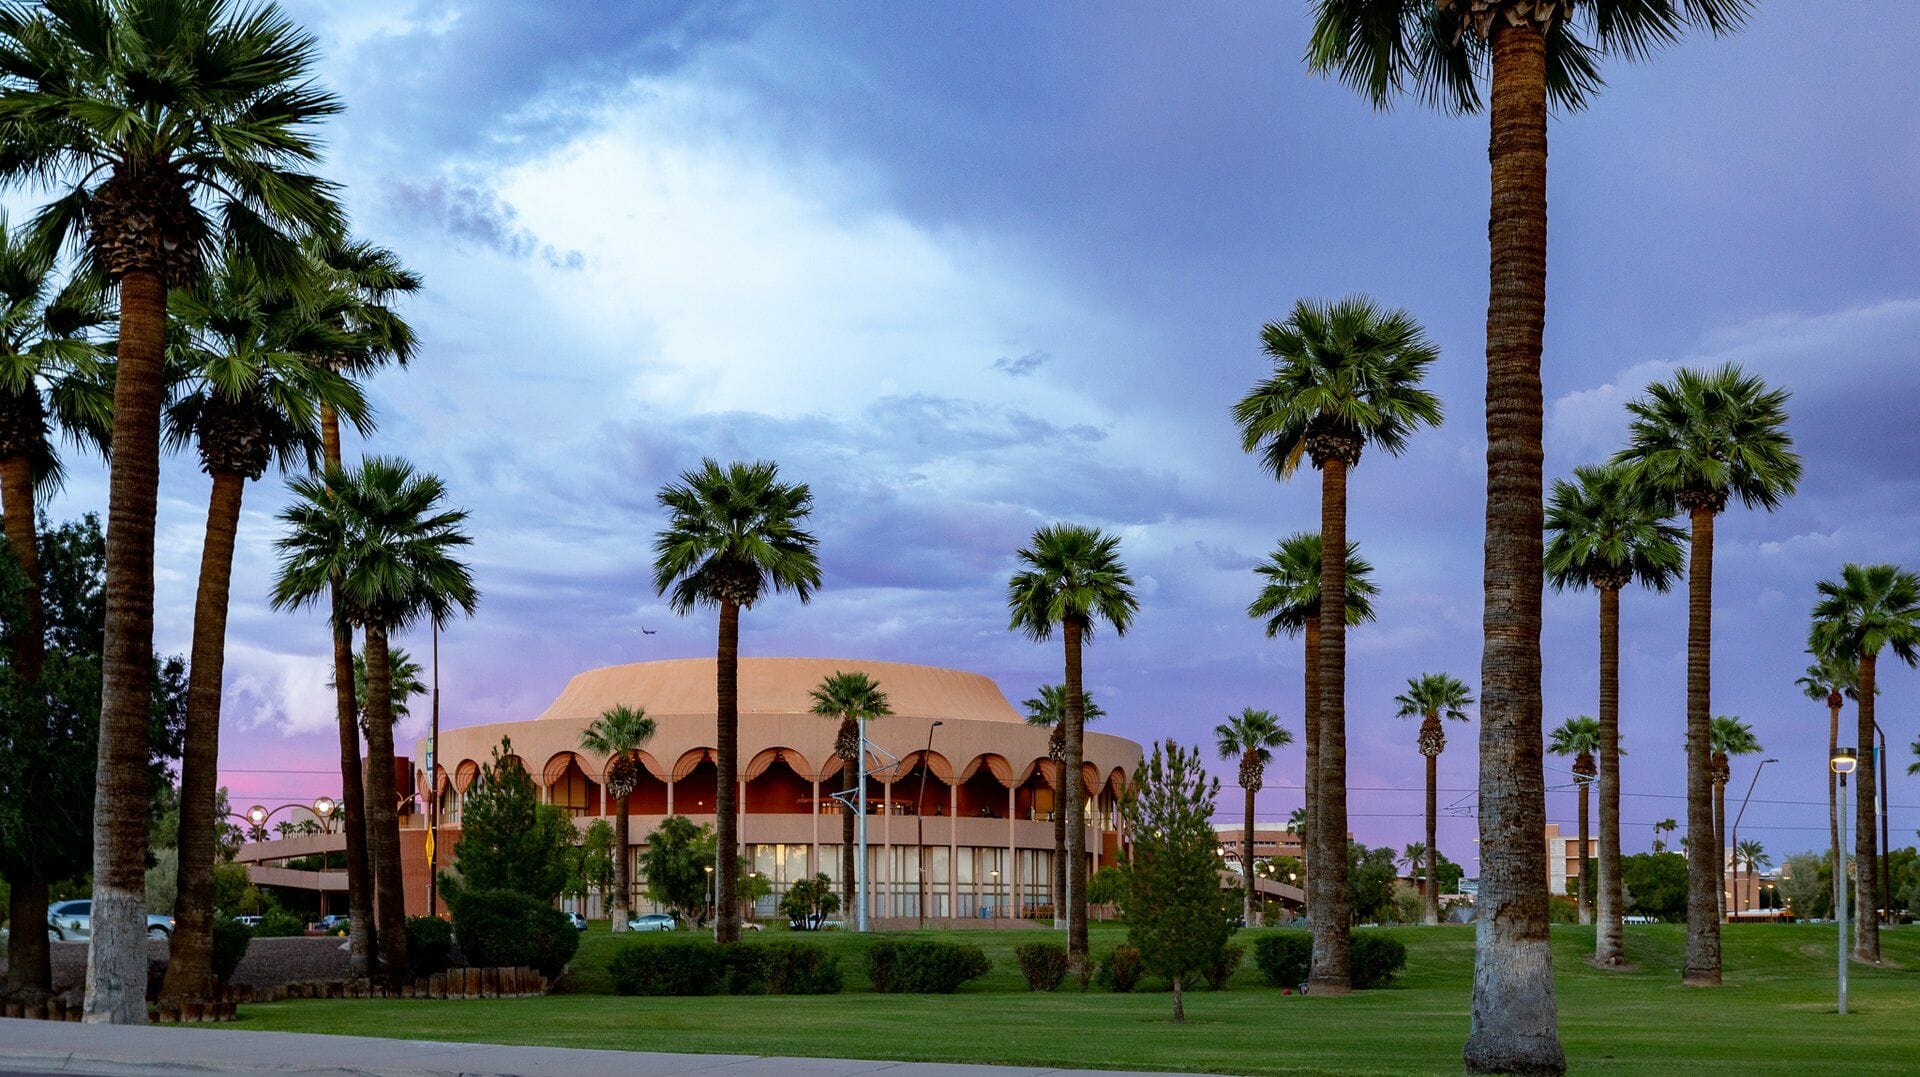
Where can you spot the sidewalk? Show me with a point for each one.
(65, 1047)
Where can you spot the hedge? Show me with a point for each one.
(1285, 958)
(1122, 969)
(429, 945)
(1044, 964)
(508, 929)
(704, 967)
(1225, 965)
(230, 941)
(919, 967)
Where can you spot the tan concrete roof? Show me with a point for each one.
(686, 686)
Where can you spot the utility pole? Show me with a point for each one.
(433, 786)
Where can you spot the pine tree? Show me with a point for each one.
(1177, 914)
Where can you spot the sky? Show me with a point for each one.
(971, 269)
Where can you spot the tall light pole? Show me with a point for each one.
(1843, 762)
(433, 786)
(860, 863)
(1734, 841)
(920, 821)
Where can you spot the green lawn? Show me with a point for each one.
(1775, 1014)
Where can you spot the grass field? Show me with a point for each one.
(1775, 1013)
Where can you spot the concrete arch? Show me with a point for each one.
(1117, 781)
(937, 764)
(466, 774)
(761, 761)
(557, 766)
(640, 755)
(996, 765)
(690, 759)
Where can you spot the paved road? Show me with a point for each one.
(38, 1047)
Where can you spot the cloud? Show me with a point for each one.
(1022, 366)
(469, 213)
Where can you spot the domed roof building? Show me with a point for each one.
(960, 781)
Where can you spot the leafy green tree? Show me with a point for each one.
(752, 886)
(1605, 533)
(1806, 885)
(849, 698)
(733, 535)
(1449, 875)
(1249, 738)
(1658, 884)
(617, 734)
(1071, 576)
(677, 862)
(1107, 886)
(1371, 874)
(1871, 608)
(1178, 916)
(1697, 442)
(593, 865)
(809, 898)
(1432, 696)
(1289, 603)
(1833, 681)
(508, 839)
(1346, 374)
(1579, 737)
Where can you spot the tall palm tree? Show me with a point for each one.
(1072, 577)
(1664, 826)
(51, 375)
(1529, 55)
(1049, 709)
(1831, 681)
(1250, 737)
(1604, 533)
(1580, 738)
(1727, 737)
(1698, 441)
(850, 698)
(402, 670)
(619, 732)
(383, 532)
(1346, 375)
(1871, 608)
(734, 533)
(1430, 697)
(250, 398)
(359, 285)
(1754, 855)
(1289, 602)
(166, 124)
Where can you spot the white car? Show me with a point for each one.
(653, 921)
(74, 921)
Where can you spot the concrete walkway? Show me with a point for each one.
(64, 1047)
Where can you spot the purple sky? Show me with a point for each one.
(967, 270)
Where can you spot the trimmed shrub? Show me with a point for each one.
(1122, 969)
(279, 924)
(704, 967)
(922, 967)
(1225, 965)
(429, 945)
(507, 929)
(1285, 958)
(801, 968)
(1044, 964)
(230, 941)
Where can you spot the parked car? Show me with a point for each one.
(578, 921)
(332, 921)
(749, 925)
(248, 921)
(653, 921)
(812, 922)
(73, 920)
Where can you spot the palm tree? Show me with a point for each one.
(1289, 602)
(1297, 819)
(1072, 577)
(249, 398)
(357, 284)
(382, 531)
(50, 376)
(1049, 708)
(402, 670)
(1664, 826)
(166, 123)
(1755, 857)
(1833, 682)
(1250, 737)
(1430, 697)
(1871, 608)
(1580, 737)
(733, 534)
(1346, 374)
(1529, 55)
(1698, 441)
(618, 733)
(1605, 534)
(850, 698)
(1728, 737)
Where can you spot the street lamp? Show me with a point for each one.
(920, 822)
(1843, 762)
(710, 899)
(323, 809)
(1734, 841)
(993, 898)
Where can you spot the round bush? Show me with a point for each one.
(921, 966)
(1285, 958)
(429, 945)
(508, 929)
(279, 924)
(1225, 965)
(1044, 964)
(230, 941)
(1122, 969)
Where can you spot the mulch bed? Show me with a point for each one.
(269, 962)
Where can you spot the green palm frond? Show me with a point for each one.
(1049, 708)
(850, 697)
(52, 360)
(619, 730)
(1575, 736)
(1828, 676)
(1440, 694)
(734, 532)
(1707, 437)
(1871, 608)
(1253, 733)
(1603, 531)
(1290, 595)
(1728, 735)
(1072, 574)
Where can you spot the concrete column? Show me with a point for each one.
(670, 784)
(1013, 858)
(953, 850)
(886, 855)
(813, 858)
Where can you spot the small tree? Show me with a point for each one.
(593, 866)
(676, 861)
(808, 899)
(1178, 916)
(508, 839)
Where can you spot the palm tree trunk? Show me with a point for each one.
(1310, 725)
(1515, 1020)
(1608, 944)
(190, 956)
(1076, 877)
(1720, 845)
(1703, 868)
(29, 959)
(1433, 839)
(1834, 703)
(117, 951)
(1583, 882)
(1330, 906)
(622, 865)
(1866, 903)
(353, 800)
(1246, 861)
(383, 824)
(850, 779)
(1060, 855)
(726, 824)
